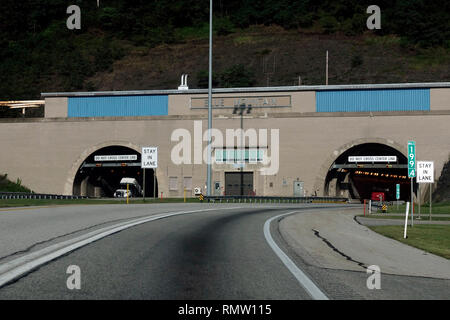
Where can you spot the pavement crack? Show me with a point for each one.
(328, 243)
(357, 221)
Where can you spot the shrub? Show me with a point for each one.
(329, 24)
(223, 26)
(8, 186)
(357, 60)
(237, 76)
(203, 79)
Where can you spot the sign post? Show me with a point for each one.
(425, 174)
(406, 220)
(397, 193)
(143, 195)
(149, 160)
(154, 183)
(431, 191)
(412, 172)
(128, 190)
(418, 200)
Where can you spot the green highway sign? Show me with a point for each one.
(397, 193)
(411, 159)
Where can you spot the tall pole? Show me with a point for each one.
(242, 151)
(208, 176)
(326, 72)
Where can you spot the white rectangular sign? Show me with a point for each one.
(425, 172)
(372, 159)
(149, 157)
(123, 157)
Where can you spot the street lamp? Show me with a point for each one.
(208, 174)
(240, 109)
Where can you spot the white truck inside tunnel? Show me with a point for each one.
(101, 172)
(357, 180)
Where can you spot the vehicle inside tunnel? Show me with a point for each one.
(369, 170)
(101, 174)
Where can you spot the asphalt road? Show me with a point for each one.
(216, 254)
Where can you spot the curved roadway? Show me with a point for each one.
(222, 253)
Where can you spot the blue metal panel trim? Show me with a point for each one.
(118, 106)
(373, 100)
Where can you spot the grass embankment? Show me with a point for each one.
(442, 208)
(5, 203)
(431, 238)
(402, 217)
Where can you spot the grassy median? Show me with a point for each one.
(6, 203)
(431, 238)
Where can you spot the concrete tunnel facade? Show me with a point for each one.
(307, 127)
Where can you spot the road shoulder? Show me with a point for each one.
(333, 239)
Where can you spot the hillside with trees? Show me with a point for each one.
(148, 44)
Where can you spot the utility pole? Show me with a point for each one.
(326, 71)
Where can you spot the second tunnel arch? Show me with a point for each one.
(360, 180)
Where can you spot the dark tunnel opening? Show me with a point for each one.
(352, 175)
(102, 171)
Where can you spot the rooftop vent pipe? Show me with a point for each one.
(183, 85)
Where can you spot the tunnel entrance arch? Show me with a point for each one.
(101, 172)
(367, 168)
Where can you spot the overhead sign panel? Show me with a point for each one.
(232, 102)
(149, 158)
(372, 159)
(425, 172)
(123, 157)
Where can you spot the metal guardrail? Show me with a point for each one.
(379, 204)
(263, 199)
(27, 195)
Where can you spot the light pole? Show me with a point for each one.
(240, 109)
(208, 174)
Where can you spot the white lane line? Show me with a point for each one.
(14, 269)
(302, 278)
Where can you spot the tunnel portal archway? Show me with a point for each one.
(100, 173)
(358, 180)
